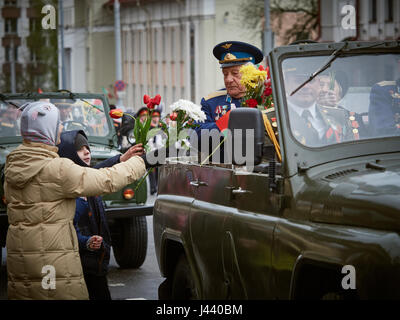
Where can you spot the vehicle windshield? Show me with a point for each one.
(75, 114)
(356, 98)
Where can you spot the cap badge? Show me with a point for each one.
(226, 46)
(230, 56)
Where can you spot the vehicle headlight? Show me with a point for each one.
(128, 194)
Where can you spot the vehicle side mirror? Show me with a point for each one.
(247, 127)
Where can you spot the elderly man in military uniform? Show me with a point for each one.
(384, 107)
(231, 56)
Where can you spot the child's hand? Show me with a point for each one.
(95, 242)
(136, 150)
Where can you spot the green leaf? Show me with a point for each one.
(136, 130)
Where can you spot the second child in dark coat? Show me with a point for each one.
(90, 220)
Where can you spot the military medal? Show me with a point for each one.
(218, 111)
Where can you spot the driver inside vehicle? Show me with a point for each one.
(384, 107)
(9, 122)
(65, 111)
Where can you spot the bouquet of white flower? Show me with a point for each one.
(188, 110)
(184, 113)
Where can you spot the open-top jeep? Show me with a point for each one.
(319, 214)
(126, 209)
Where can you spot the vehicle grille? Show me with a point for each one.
(340, 174)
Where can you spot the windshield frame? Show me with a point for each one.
(297, 157)
(109, 139)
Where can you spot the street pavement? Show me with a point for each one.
(141, 283)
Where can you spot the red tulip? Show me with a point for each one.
(173, 116)
(146, 99)
(151, 102)
(157, 100)
(116, 113)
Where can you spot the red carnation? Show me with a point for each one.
(252, 103)
(267, 91)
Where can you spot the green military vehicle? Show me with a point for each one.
(126, 209)
(322, 222)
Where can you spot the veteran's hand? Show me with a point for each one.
(328, 98)
(136, 150)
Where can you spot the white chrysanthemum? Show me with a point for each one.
(192, 110)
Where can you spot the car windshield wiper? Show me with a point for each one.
(73, 97)
(3, 98)
(332, 58)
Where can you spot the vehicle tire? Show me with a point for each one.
(183, 287)
(131, 246)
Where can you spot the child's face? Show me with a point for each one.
(84, 155)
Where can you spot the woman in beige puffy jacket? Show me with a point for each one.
(40, 189)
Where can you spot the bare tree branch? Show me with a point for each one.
(251, 16)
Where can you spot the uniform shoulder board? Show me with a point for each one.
(386, 83)
(215, 94)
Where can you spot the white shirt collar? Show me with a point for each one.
(299, 110)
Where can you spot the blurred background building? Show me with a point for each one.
(166, 45)
(27, 52)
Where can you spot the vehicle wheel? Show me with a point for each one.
(131, 246)
(183, 287)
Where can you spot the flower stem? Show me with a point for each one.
(213, 152)
(143, 178)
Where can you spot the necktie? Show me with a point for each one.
(306, 115)
(312, 134)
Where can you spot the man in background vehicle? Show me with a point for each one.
(384, 108)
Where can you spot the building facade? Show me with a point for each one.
(28, 46)
(167, 44)
(359, 19)
(167, 47)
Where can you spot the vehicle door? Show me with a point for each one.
(251, 231)
(210, 213)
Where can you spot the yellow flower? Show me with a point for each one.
(251, 76)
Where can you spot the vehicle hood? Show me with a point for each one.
(363, 197)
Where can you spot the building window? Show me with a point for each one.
(34, 25)
(9, 54)
(33, 55)
(10, 25)
(372, 11)
(389, 11)
(10, 3)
